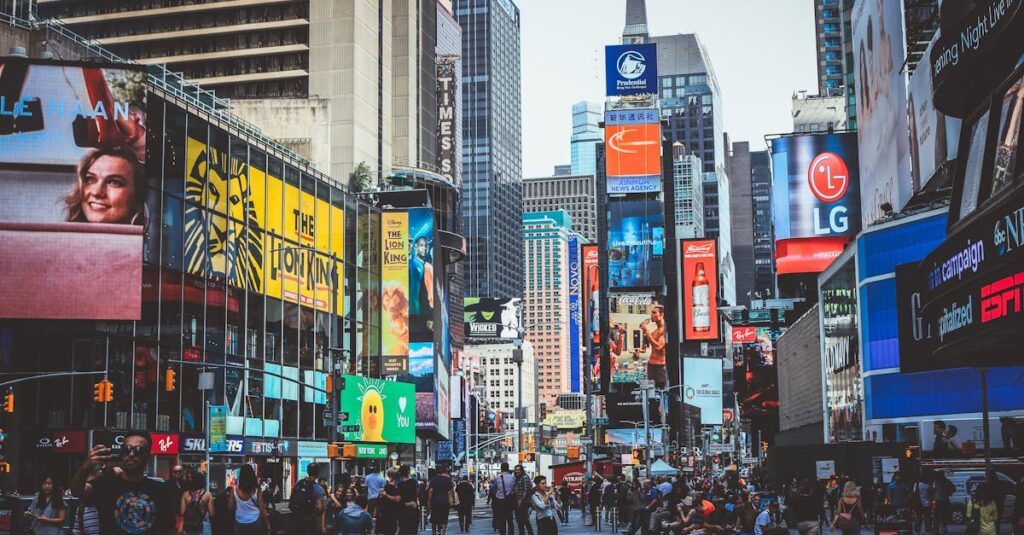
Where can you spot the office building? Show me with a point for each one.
(764, 233)
(492, 201)
(834, 46)
(819, 113)
(738, 168)
(546, 299)
(338, 86)
(574, 194)
(687, 179)
(563, 169)
(500, 379)
(586, 132)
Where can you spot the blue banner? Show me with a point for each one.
(631, 69)
(575, 316)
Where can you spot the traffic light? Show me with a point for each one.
(169, 376)
(911, 452)
(332, 450)
(9, 402)
(103, 391)
(5, 467)
(764, 446)
(522, 456)
(349, 451)
(329, 386)
(543, 411)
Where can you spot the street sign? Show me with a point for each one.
(348, 428)
(601, 421)
(721, 448)
(586, 441)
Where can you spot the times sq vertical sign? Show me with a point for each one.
(446, 116)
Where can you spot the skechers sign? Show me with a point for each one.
(631, 69)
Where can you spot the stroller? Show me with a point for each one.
(893, 521)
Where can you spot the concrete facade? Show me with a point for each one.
(574, 194)
(798, 351)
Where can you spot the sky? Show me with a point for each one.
(762, 51)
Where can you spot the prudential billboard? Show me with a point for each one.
(631, 69)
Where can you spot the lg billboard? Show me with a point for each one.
(815, 199)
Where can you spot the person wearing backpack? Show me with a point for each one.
(849, 515)
(196, 505)
(306, 503)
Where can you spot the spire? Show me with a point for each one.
(636, 20)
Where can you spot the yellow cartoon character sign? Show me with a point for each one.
(386, 410)
(372, 414)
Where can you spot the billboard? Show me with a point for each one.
(840, 352)
(878, 57)
(633, 150)
(379, 411)
(407, 281)
(702, 387)
(575, 314)
(635, 436)
(446, 116)
(700, 290)
(636, 243)
(637, 337)
(73, 176)
(631, 69)
(933, 134)
(592, 310)
(489, 319)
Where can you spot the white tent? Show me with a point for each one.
(661, 468)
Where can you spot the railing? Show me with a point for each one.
(173, 85)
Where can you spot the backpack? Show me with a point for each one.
(302, 501)
(192, 520)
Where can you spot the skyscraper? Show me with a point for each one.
(492, 195)
(586, 118)
(834, 40)
(689, 193)
(574, 194)
(764, 235)
(737, 164)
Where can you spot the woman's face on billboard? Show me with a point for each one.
(108, 191)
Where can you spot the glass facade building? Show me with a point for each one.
(586, 131)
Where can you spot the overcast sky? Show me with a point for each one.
(762, 51)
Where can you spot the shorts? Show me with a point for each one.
(657, 373)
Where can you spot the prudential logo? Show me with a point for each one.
(631, 64)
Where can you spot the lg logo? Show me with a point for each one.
(829, 179)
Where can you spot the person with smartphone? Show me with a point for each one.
(129, 502)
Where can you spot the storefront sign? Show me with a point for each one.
(192, 444)
(218, 428)
(631, 69)
(63, 442)
(102, 437)
(312, 449)
(744, 335)
(235, 445)
(269, 448)
(165, 444)
(371, 451)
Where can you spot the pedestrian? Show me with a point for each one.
(46, 513)
(542, 501)
(177, 486)
(374, 484)
(896, 494)
(565, 501)
(467, 500)
(522, 488)
(1017, 516)
(388, 506)
(921, 500)
(804, 507)
(440, 492)
(504, 494)
(634, 504)
(769, 520)
(246, 505)
(944, 490)
(87, 518)
(982, 512)
(608, 500)
(746, 514)
(307, 502)
(408, 496)
(196, 505)
(594, 500)
(335, 503)
(495, 504)
(351, 515)
(849, 515)
(117, 490)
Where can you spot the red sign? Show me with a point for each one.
(165, 444)
(828, 177)
(807, 255)
(744, 335)
(700, 289)
(68, 442)
(633, 149)
(727, 415)
(591, 291)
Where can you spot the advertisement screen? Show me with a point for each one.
(807, 255)
(916, 336)
(957, 439)
(632, 436)
(592, 309)
(73, 177)
(637, 337)
(702, 387)
(881, 85)
(575, 314)
(633, 150)
(700, 290)
(933, 135)
(407, 280)
(636, 244)
(631, 69)
(841, 355)
(378, 410)
(490, 319)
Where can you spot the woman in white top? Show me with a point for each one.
(245, 502)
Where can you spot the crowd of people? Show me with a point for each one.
(116, 497)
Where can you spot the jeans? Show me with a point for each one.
(504, 517)
(635, 520)
(523, 520)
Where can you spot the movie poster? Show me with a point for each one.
(421, 274)
(395, 290)
(73, 177)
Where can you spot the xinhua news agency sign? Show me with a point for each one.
(631, 69)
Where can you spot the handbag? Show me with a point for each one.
(453, 498)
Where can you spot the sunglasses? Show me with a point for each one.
(137, 451)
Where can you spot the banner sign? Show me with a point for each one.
(446, 116)
(700, 289)
(575, 315)
(633, 150)
(380, 411)
(631, 69)
(489, 319)
(218, 428)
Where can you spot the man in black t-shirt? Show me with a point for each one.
(128, 503)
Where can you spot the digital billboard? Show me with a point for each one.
(636, 243)
(840, 350)
(631, 69)
(933, 134)
(446, 116)
(575, 314)
(637, 337)
(815, 199)
(73, 176)
(702, 387)
(492, 319)
(633, 150)
(378, 410)
(592, 310)
(407, 284)
(700, 290)
(881, 85)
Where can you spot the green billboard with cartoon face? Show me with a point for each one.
(378, 410)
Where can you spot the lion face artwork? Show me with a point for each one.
(222, 235)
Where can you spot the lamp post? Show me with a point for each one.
(517, 359)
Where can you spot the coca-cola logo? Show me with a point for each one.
(634, 299)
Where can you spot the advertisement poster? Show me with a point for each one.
(490, 319)
(575, 314)
(824, 469)
(880, 82)
(958, 439)
(933, 135)
(383, 411)
(637, 337)
(636, 244)
(592, 310)
(631, 69)
(841, 355)
(395, 284)
(633, 150)
(421, 274)
(72, 172)
(700, 290)
(702, 387)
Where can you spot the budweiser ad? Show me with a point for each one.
(73, 177)
(700, 290)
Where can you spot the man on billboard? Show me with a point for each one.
(654, 333)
